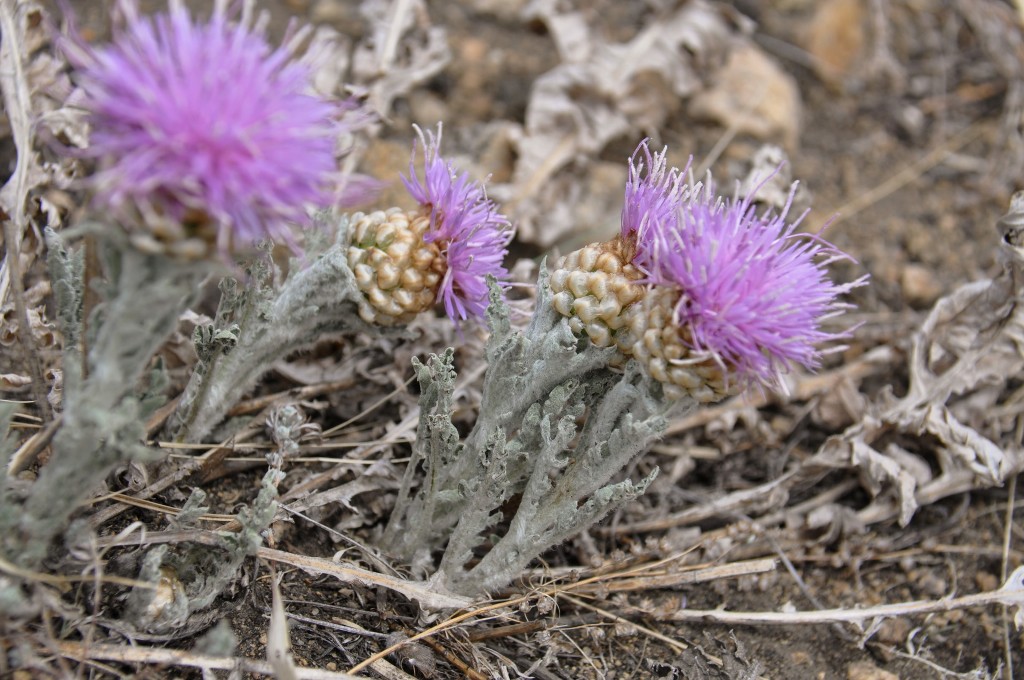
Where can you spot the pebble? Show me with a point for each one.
(894, 631)
(836, 38)
(327, 12)
(752, 95)
(986, 581)
(932, 585)
(920, 286)
(865, 670)
(800, 658)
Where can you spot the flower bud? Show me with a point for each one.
(398, 272)
(593, 286)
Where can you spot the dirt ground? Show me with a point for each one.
(904, 128)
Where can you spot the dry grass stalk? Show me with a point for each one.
(1011, 594)
(606, 582)
(179, 657)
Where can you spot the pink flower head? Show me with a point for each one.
(206, 118)
(654, 193)
(754, 292)
(473, 235)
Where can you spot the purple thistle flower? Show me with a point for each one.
(654, 193)
(206, 119)
(473, 235)
(754, 292)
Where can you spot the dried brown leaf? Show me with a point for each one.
(14, 381)
(401, 51)
(752, 95)
(973, 340)
(600, 92)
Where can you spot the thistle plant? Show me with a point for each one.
(211, 145)
(708, 295)
(194, 130)
(382, 269)
(525, 443)
(595, 285)
(697, 296)
(203, 132)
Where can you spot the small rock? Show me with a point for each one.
(428, 108)
(327, 11)
(912, 121)
(835, 37)
(894, 631)
(752, 95)
(473, 50)
(986, 581)
(932, 584)
(865, 670)
(920, 286)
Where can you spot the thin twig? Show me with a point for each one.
(267, 446)
(181, 657)
(369, 554)
(910, 173)
(1009, 594)
(557, 590)
(200, 463)
(159, 507)
(369, 409)
(671, 579)
(27, 453)
(675, 644)
(62, 583)
(291, 394)
(396, 26)
(353, 630)
(464, 668)
(421, 592)
(1007, 542)
(395, 436)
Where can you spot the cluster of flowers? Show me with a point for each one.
(206, 136)
(707, 294)
(209, 135)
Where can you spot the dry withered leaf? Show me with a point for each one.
(752, 95)
(971, 342)
(400, 52)
(601, 91)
